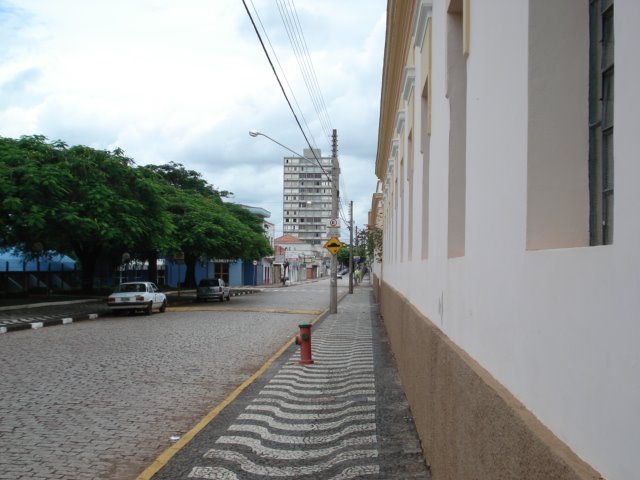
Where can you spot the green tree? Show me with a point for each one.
(205, 226)
(343, 255)
(253, 242)
(176, 175)
(86, 203)
(373, 241)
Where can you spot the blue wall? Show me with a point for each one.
(237, 274)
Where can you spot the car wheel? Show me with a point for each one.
(163, 308)
(116, 313)
(149, 308)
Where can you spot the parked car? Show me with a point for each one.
(132, 296)
(213, 289)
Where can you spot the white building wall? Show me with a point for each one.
(558, 327)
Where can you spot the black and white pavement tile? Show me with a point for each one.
(344, 417)
(313, 421)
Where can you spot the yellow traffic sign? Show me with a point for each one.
(333, 245)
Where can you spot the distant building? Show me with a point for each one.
(298, 259)
(509, 283)
(269, 228)
(307, 196)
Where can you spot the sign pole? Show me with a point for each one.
(333, 288)
(351, 247)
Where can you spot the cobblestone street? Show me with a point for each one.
(106, 398)
(101, 398)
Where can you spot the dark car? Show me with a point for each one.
(212, 289)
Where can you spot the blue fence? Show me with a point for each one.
(61, 273)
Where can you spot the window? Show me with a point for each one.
(457, 52)
(557, 125)
(601, 61)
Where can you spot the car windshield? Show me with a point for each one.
(132, 287)
(209, 282)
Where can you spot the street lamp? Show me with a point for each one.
(255, 133)
(333, 287)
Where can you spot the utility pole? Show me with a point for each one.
(359, 259)
(351, 247)
(335, 171)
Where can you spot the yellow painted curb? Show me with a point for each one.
(165, 456)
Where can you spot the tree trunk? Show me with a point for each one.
(190, 275)
(87, 259)
(152, 256)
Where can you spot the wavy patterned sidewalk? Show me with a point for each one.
(341, 418)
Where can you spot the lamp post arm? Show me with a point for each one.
(255, 133)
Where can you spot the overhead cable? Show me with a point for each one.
(287, 98)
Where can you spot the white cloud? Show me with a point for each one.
(185, 82)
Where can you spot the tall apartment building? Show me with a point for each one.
(307, 196)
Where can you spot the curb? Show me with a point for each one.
(36, 324)
(163, 459)
(47, 323)
(236, 292)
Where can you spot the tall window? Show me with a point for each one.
(457, 94)
(601, 60)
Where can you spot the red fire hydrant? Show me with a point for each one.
(304, 340)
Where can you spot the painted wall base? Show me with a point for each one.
(470, 426)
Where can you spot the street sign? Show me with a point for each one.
(333, 222)
(333, 245)
(333, 231)
(255, 262)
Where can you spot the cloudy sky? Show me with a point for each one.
(186, 81)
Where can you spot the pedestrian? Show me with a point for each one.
(356, 274)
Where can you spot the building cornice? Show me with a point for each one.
(424, 11)
(400, 120)
(399, 31)
(408, 81)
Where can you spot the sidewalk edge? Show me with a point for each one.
(165, 456)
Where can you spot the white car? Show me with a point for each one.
(132, 296)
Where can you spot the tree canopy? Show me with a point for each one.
(94, 205)
(364, 248)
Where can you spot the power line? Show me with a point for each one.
(285, 94)
(295, 33)
(329, 177)
(283, 72)
(313, 72)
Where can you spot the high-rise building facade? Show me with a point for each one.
(307, 196)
